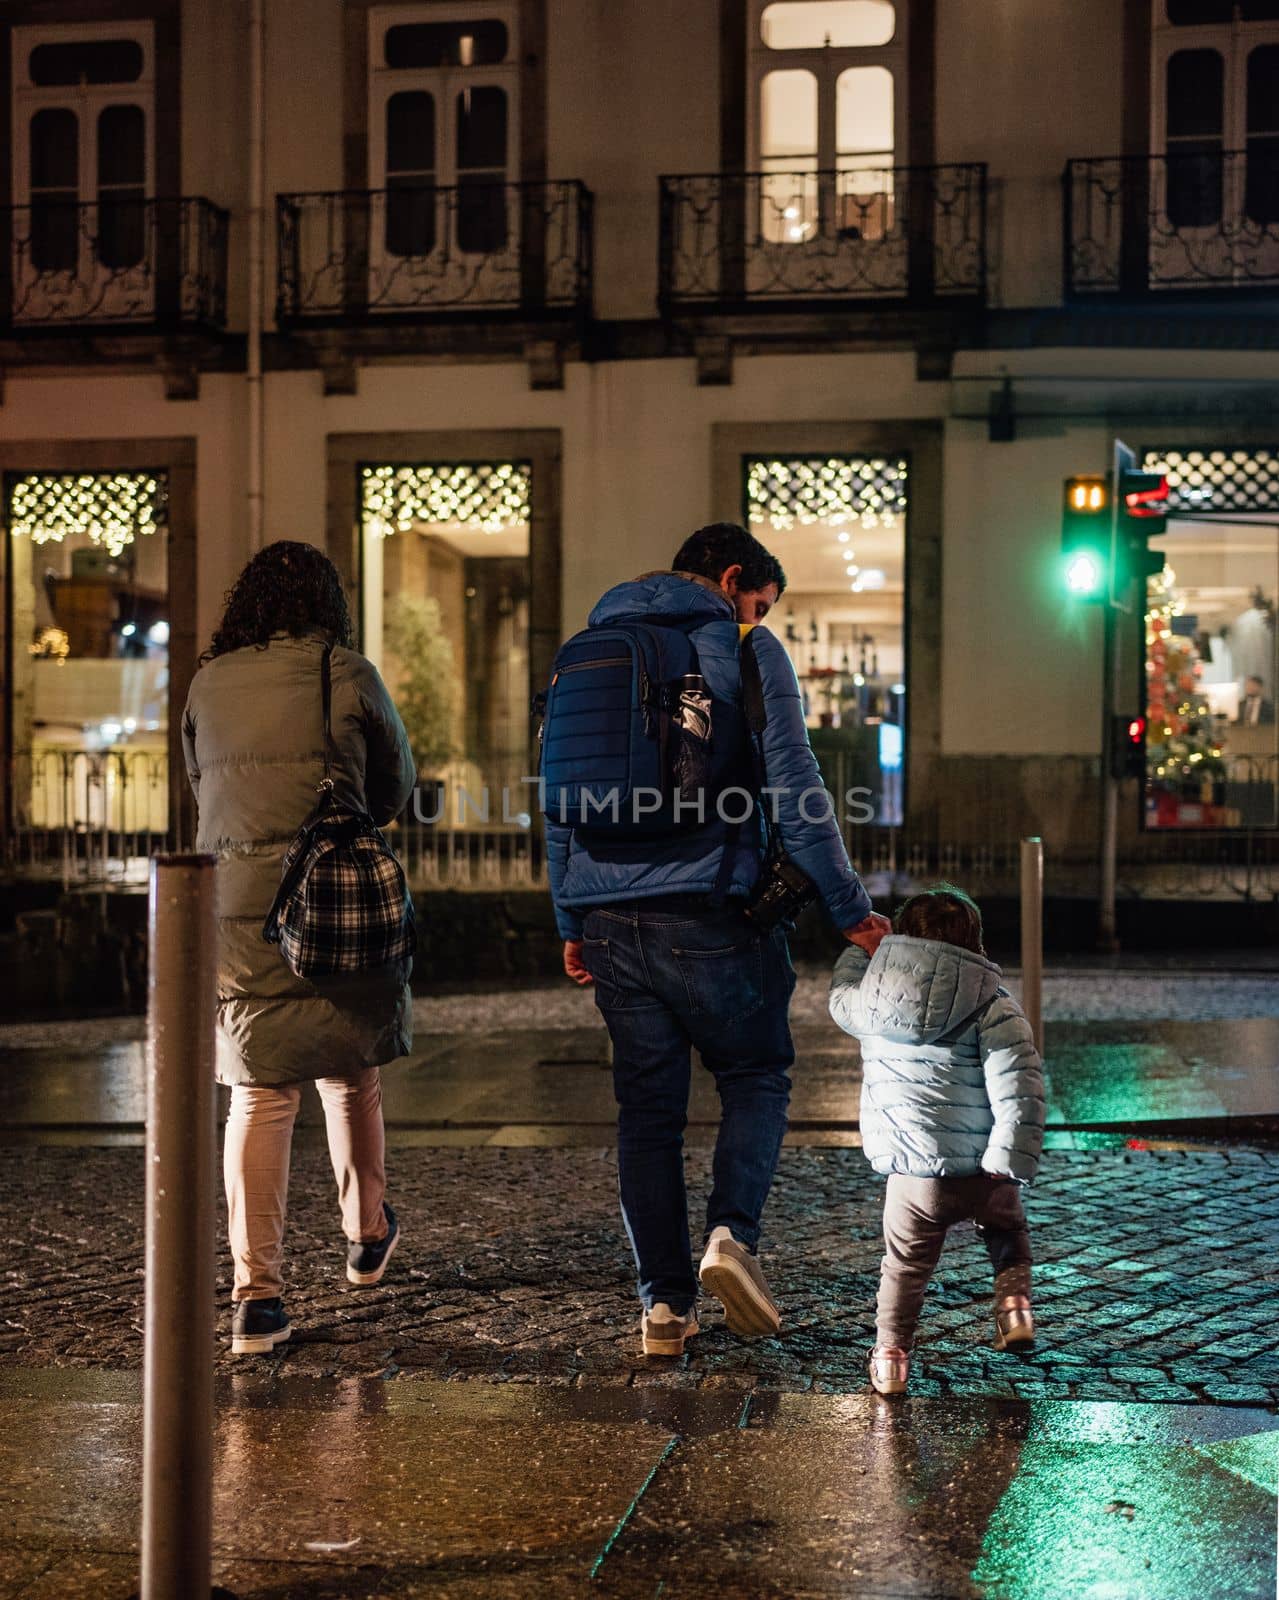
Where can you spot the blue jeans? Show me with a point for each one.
(669, 975)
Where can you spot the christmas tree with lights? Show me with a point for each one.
(1183, 755)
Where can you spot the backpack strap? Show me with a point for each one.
(756, 718)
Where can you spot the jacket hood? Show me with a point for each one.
(918, 990)
(663, 594)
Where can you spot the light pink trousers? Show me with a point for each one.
(255, 1167)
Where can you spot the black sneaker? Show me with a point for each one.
(365, 1263)
(257, 1326)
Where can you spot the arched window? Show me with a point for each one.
(443, 122)
(1216, 110)
(826, 96)
(83, 105)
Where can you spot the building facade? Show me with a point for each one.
(497, 301)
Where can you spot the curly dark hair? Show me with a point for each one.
(713, 549)
(288, 587)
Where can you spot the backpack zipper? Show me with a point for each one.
(581, 666)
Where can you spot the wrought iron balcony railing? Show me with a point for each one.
(114, 263)
(412, 253)
(1200, 221)
(913, 235)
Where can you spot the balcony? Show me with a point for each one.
(130, 264)
(516, 251)
(1191, 224)
(912, 236)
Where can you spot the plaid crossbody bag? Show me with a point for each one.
(343, 904)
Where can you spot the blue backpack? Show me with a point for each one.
(618, 755)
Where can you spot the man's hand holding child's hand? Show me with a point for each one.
(868, 934)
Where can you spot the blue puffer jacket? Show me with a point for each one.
(952, 1083)
(584, 874)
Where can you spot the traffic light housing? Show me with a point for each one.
(1127, 746)
(1141, 513)
(1086, 537)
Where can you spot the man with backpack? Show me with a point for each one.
(686, 822)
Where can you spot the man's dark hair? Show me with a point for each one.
(945, 913)
(713, 549)
(287, 588)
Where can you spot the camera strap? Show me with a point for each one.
(756, 721)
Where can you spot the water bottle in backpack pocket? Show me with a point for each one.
(627, 732)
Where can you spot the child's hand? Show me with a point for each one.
(868, 934)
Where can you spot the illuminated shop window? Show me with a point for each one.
(89, 651)
(838, 526)
(445, 616)
(1212, 669)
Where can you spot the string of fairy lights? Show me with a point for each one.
(866, 491)
(110, 508)
(490, 497)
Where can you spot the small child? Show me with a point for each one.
(952, 1111)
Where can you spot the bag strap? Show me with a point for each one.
(326, 699)
(756, 718)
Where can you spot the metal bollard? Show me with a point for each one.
(1032, 937)
(177, 1448)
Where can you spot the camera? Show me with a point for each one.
(780, 895)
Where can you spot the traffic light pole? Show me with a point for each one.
(1107, 931)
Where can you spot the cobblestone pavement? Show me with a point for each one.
(1158, 1276)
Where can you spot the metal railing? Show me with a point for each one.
(92, 820)
(913, 235)
(88, 817)
(1195, 221)
(417, 252)
(127, 262)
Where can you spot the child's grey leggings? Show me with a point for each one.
(917, 1214)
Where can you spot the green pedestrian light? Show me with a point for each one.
(1084, 574)
(1085, 537)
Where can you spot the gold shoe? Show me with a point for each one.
(1014, 1322)
(664, 1331)
(889, 1369)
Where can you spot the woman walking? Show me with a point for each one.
(254, 739)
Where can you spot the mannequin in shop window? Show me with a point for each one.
(1255, 710)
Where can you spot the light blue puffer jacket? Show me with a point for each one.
(952, 1083)
(584, 874)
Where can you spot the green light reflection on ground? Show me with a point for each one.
(1115, 1521)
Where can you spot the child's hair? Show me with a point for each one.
(944, 912)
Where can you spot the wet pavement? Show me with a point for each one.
(512, 1085)
(1157, 1276)
(366, 1489)
(483, 1424)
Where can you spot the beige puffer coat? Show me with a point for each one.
(253, 738)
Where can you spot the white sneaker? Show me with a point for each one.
(732, 1274)
(664, 1331)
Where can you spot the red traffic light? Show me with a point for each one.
(1137, 730)
(1145, 494)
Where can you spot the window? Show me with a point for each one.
(88, 657)
(446, 591)
(83, 103)
(832, 104)
(443, 129)
(837, 523)
(814, 24)
(446, 44)
(1216, 112)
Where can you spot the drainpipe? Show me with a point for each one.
(255, 395)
